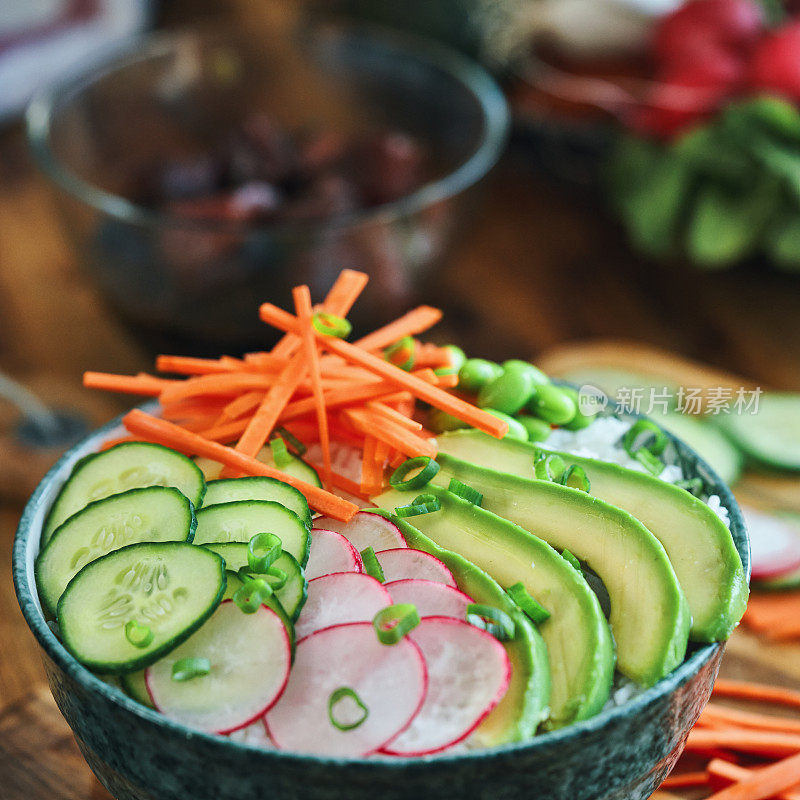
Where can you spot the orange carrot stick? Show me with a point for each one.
(186, 365)
(732, 773)
(765, 782)
(747, 719)
(154, 429)
(401, 419)
(145, 385)
(773, 745)
(395, 436)
(744, 690)
(684, 780)
(238, 407)
(184, 409)
(227, 384)
(767, 610)
(370, 479)
(302, 306)
(433, 395)
(411, 323)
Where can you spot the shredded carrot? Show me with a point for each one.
(429, 355)
(733, 773)
(184, 409)
(145, 385)
(764, 782)
(684, 780)
(766, 612)
(343, 483)
(747, 719)
(395, 436)
(230, 383)
(744, 690)
(371, 478)
(397, 459)
(433, 395)
(401, 419)
(241, 405)
(382, 452)
(186, 365)
(154, 429)
(766, 743)
(413, 322)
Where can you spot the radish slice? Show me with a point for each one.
(774, 545)
(390, 681)
(331, 552)
(432, 599)
(339, 598)
(366, 529)
(406, 563)
(250, 657)
(468, 674)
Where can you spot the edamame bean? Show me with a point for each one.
(508, 392)
(457, 359)
(475, 372)
(440, 421)
(536, 375)
(538, 430)
(515, 429)
(552, 404)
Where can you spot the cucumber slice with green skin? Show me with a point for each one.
(525, 704)
(170, 587)
(770, 437)
(154, 514)
(292, 595)
(708, 441)
(240, 520)
(135, 686)
(131, 465)
(250, 660)
(297, 468)
(227, 490)
(699, 545)
(649, 614)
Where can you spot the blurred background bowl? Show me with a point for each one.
(194, 279)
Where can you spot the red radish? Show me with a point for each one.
(331, 552)
(366, 529)
(431, 598)
(468, 674)
(339, 598)
(390, 681)
(250, 656)
(774, 545)
(775, 65)
(400, 563)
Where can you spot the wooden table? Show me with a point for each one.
(540, 267)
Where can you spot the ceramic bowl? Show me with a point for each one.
(621, 754)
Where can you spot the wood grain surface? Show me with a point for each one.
(540, 267)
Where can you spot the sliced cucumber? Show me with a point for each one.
(235, 583)
(172, 588)
(135, 686)
(241, 520)
(153, 514)
(228, 490)
(292, 595)
(296, 467)
(131, 465)
(771, 436)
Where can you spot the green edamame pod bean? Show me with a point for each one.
(552, 404)
(475, 372)
(515, 429)
(580, 420)
(538, 430)
(508, 392)
(535, 374)
(440, 421)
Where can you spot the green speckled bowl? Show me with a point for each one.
(621, 754)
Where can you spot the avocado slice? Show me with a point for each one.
(579, 643)
(525, 704)
(649, 614)
(697, 542)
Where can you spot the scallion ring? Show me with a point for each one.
(298, 448)
(280, 455)
(263, 550)
(331, 325)
(533, 609)
(692, 485)
(251, 594)
(394, 622)
(402, 353)
(575, 477)
(275, 578)
(549, 467)
(427, 469)
(187, 668)
(651, 463)
(572, 560)
(465, 492)
(371, 564)
(336, 697)
(423, 504)
(492, 620)
(138, 635)
(639, 436)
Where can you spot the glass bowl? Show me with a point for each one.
(196, 283)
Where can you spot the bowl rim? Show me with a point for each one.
(31, 609)
(490, 101)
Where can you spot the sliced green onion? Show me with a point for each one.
(263, 550)
(519, 594)
(298, 448)
(138, 635)
(337, 695)
(465, 492)
(423, 504)
(275, 578)
(651, 463)
(492, 620)
(372, 565)
(572, 560)
(280, 455)
(331, 325)
(692, 485)
(252, 594)
(576, 477)
(394, 622)
(427, 469)
(187, 668)
(402, 353)
(639, 434)
(549, 467)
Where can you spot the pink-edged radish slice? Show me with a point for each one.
(250, 658)
(339, 598)
(389, 681)
(365, 529)
(774, 545)
(403, 563)
(330, 552)
(468, 674)
(432, 599)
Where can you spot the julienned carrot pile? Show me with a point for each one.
(317, 386)
(751, 755)
(775, 615)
